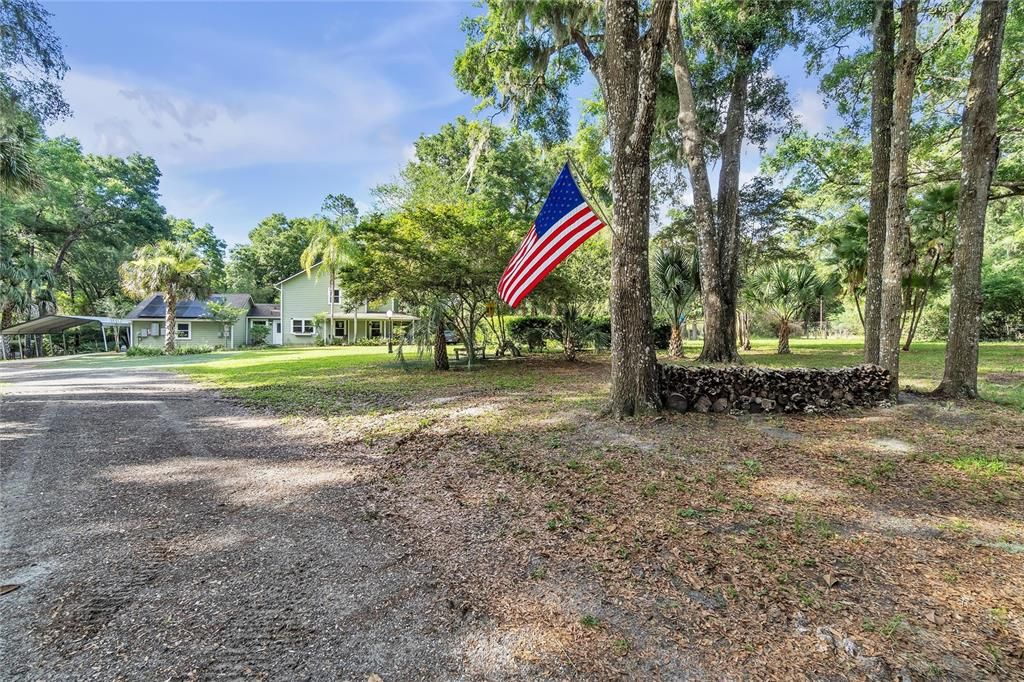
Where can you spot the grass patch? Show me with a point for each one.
(980, 466)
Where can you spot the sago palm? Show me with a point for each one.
(784, 291)
(169, 267)
(676, 278)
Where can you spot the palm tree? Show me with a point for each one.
(19, 135)
(850, 255)
(785, 291)
(331, 246)
(169, 267)
(676, 281)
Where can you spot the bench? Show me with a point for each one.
(480, 354)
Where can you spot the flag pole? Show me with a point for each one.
(592, 196)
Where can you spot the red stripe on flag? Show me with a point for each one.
(532, 283)
(538, 243)
(556, 235)
(539, 258)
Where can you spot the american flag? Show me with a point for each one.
(565, 222)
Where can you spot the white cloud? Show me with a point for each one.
(349, 121)
(810, 111)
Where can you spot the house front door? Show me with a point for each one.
(276, 333)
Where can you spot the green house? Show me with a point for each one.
(194, 323)
(309, 298)
(311, 309)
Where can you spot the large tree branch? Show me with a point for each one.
(693, 143)
(651, 46)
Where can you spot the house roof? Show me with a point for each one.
(153, 306)
(51, 324)
(312, 267)
(265, 310)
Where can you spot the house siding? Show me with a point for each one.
(304, 296)
(204, 332)
(238, 330)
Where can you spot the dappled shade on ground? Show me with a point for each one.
(686, 544)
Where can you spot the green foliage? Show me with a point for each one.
(19, 136)
(522, 57)
(530, 330)
(169, 267)
(31, 61)
(1003, 304)
(144, 351)
(258, 334)
(574, 332)
(274, 253)
(207, 244)
(224, 312)
(676, 280)
(152, 351)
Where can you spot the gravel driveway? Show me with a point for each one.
(155, 531)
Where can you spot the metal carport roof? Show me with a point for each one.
(53, 324)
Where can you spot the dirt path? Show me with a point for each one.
(157, 532)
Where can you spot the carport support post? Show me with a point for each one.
(103, 332)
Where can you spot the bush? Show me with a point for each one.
(379, 341)
(662, 334)
(144, 351)
(258, 334)
(934, 325)
(152, 351)
(530, 331)
(195, 350)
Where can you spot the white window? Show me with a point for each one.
(341, 329)
(261, 323)
(334, 296)
(156, 329)
(302, 327)
(184, 330)
(374, 329)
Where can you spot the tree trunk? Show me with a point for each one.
(675, 343)
(440, 347)
(979, 152)
(860, 313)
(784, 338)
(628, 74)
(881, 144)
(897, 237)
(6, 318)
(717, 236)
(170, 321)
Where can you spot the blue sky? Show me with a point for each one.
(255, 108)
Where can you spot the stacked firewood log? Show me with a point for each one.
(758, 389)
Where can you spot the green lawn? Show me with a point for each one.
(367, 379)
(1000, 369)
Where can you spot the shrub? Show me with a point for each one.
(195, 350)
(152, 351)
(574, 332)
(258, 334)
(662, 333)
(934, 325)
(530, 330)
(379, 341)
(144, 351)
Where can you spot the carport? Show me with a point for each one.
(59, 324)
